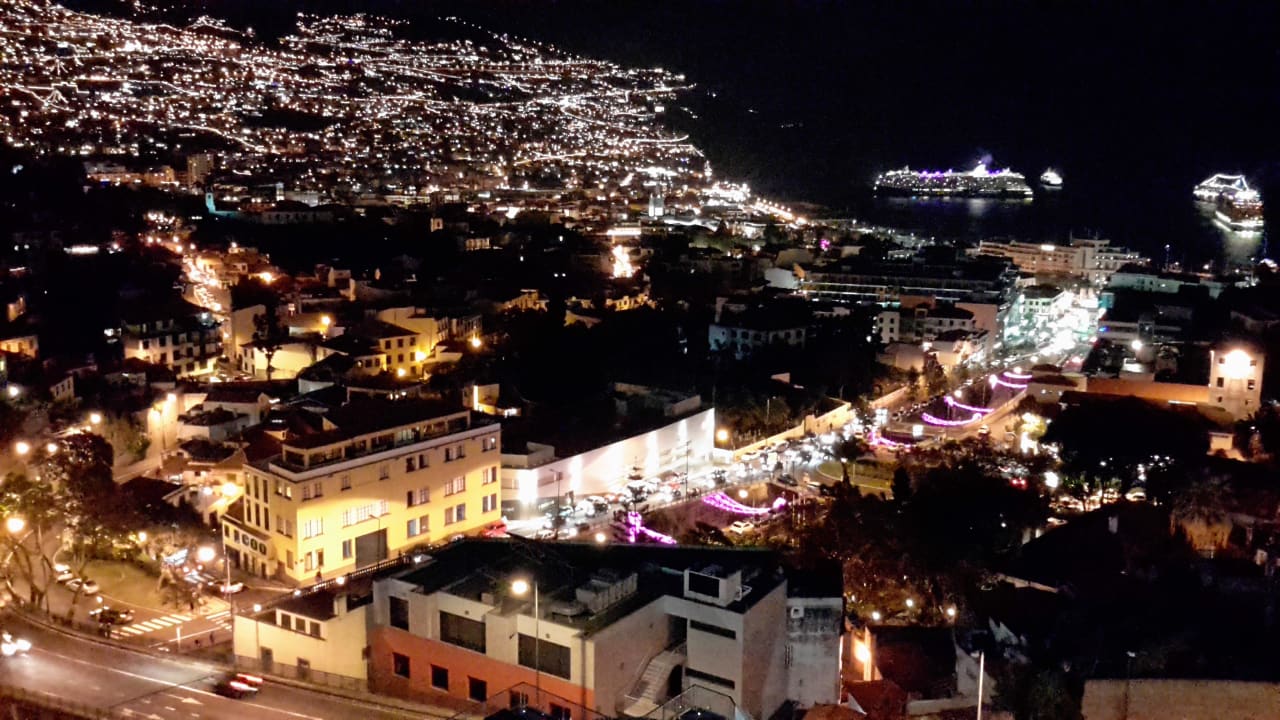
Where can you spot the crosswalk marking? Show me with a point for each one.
(154, 624)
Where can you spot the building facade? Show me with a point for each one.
(380, 477)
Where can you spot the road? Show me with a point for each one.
(142, 686)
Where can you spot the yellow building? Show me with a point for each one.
(380, 476)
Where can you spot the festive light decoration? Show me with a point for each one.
(720, 501)
(1005, 383)
(932, 420)
(1013, 375)
(636, 528)
(971, 408)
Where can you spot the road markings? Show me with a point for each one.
(154, 624)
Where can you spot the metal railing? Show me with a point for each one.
(302, 674)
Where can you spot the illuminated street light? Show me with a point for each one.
(875, 615)
(520, 587)
(95, 418)
(911, 603)
(742, 493)
(722, 435)
(601, 538)
(400, 372)
(15, 524)
(951, 611)
(204, 554)
(13, 391)
(22, 447)
(142, 536)
(1136, 345)
(475, 341)
(326, 321)
(51, 448)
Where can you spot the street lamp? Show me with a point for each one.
(22, 447)
(204, 554)
(51, 448)
(722, 435)
(475, 341)
(520, 587)
(601, 538)
(95, 418)
(15, 524)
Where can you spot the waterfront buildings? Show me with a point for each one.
(1091, 260)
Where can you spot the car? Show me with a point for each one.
(237, 685)
(112, 616)
(788, 481)
(83, 585)
(63, 576)
(230, 588)
(495, 529)
(10, 645)
(741, 527)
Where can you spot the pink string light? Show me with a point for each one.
(932, 420)
(720, 501)
(1017, 375)
(971, 408)
(635, 528)
(1006, 383)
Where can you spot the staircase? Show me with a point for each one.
(651, 690)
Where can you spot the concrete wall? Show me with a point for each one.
(618, 654)
(813, 640)
(764, 668)
(1181, 699)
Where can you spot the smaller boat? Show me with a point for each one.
(1051, 180)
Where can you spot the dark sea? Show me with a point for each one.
(1132, 102)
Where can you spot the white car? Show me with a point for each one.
(62, 572)
(741, 527)
(88, 587)
(10, 645)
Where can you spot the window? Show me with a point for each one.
(477, 690)
(384, 471)
(411, 528)
(708, 677)
(439, 677)
(1220, 381)
(421, 496)
(423, 460)
(489, 503)
(400, 664)
(346, 482)
(347, 547)
(553, 659)
(398, 612)
(460, 451)
(317, 490)
(360, 513)
(489, 475)
(713, 629)
(455, 485)
(315, 629)
(312, 528)
(409, 465)
(455, 514)
(299, 624)
(490, 442)
(560, 712)
(448, 454)
(462, 631)
(418, 526)
(306, 492)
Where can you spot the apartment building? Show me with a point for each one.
(177, 334)
(614, 631)
(886, 282)
(379, 476)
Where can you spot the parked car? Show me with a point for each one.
(741, 527)
(112, 616)
(788, 481)
(230, 588)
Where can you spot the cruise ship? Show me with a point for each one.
(978, 182)
(1234, 203)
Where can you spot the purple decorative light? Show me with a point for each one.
(949, 423)
(1006, 383)
(1017, 375)
(720, 501)
(635, 527)
(971, 408)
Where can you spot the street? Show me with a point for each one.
(139, 685)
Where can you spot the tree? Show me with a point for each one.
(901, 486)
(268, 337)
(1104, 439)
(34, 546)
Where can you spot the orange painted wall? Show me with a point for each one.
(461, 663)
